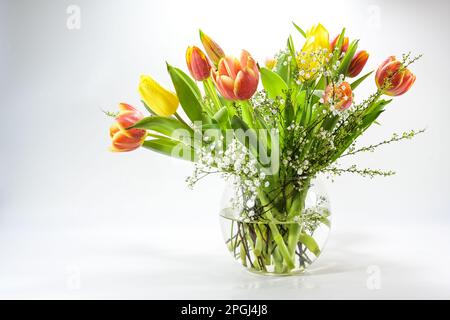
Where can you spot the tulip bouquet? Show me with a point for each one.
(269, 143)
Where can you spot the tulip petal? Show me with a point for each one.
(225, 87)
(230, 66)
(245, 84)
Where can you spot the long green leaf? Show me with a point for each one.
(273, 83)
(163, 125)
(291, 47)
(303, 33)
(170, 148)
(343, 67)
(188, 93)
(372, 112)
(358, 81)
(309, 243)
(340, 42)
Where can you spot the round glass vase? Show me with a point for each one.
(274, 244)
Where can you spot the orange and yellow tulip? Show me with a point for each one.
(124, 139)
(357, 64)
(236, 79)
(213, 50)
(392, 78)
(197, 63)
(339, 95)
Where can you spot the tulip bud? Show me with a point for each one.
(339, 96)
(357, 64)
(236, 79)
(345, 43)
(392, 78)
(160, 100)
(270, 63)
(124, 139)
(197, 63)
(213, 50)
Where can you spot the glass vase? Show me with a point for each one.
(273, 242)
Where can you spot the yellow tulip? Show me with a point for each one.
(317, 37)
(314, 52)
(160, 100)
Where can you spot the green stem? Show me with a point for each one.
(296, 209)
(298, 203)
(278, 260)
(180, 119)
(247, 113)
(259, 242)
(209, 87)
(243, 254)
(277, 237)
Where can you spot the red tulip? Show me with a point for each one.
(392, 78)
(197, 63)
(340, 96)
(124, 139)
(236, 79)
(357, 64)
(344, 47)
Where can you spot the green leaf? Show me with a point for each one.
(300, 100)
(330, 122)
(188, 93)
(170, 148)
(273, 83)
(163, 125)
(288, 110)
(291, 47)
(210, 126)
(337, 53)
(358, 81)
(341, 38)
(282, 66)
(371, 114)
(309, 243)
(343, 67)
(303, 33)
(375, 108)
(221, 116)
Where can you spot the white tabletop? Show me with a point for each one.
(183, 261)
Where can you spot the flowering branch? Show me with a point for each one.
(371, 173)
(407, 135)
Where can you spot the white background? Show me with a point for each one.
(77, 221)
